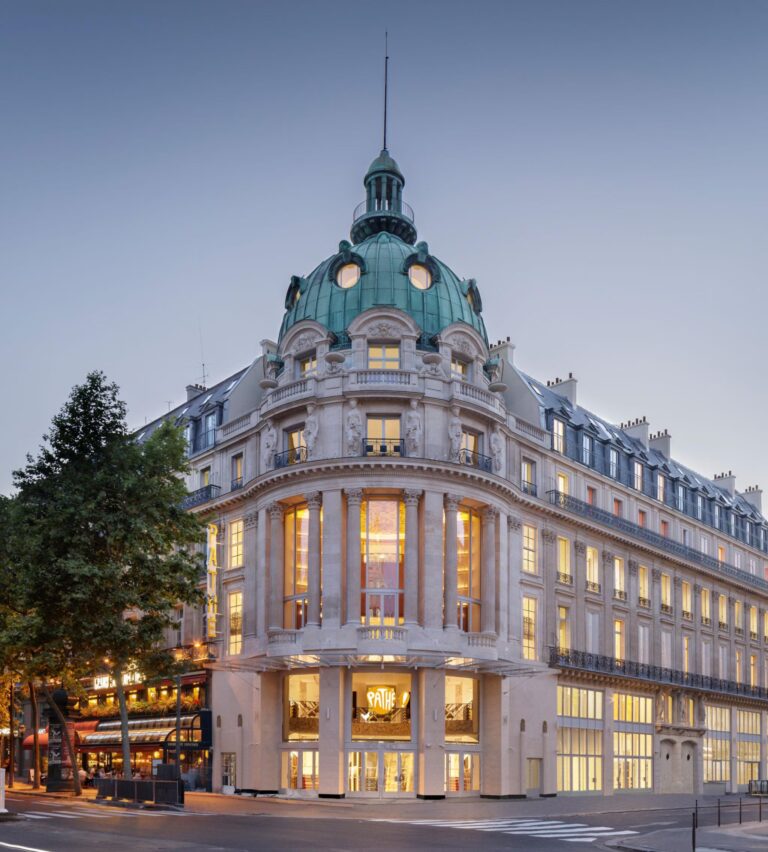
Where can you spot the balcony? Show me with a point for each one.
(666, 609)
(387, 447)
(529, 488)
(202, 495)
(296, 455)
(562, 658)
(619, 594)
(565, 579)
(645, 603)
(473, 459)
(753, 635)
(593, 587)
(723, 625)
(236, 483)
(687, 616)
(739, 631)
(706, 621)
(579, 507)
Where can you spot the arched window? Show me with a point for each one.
(382, 549)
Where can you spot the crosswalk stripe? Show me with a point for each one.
(53, 814)
(34, 816)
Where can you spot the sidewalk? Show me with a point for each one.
(749, 837)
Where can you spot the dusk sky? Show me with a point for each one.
(598, 167)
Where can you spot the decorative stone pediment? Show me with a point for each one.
(303, 337)
(383, 324)
(464, 340)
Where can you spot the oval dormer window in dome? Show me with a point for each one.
(420, 276)
(348, 275)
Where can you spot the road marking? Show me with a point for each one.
(24, 848)
(49, 814)
(572, 832)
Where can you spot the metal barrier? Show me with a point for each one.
(758, 788)
(153, 792)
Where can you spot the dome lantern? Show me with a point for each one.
(383, 208)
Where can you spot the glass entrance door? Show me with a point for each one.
(462, 773)
(380, 773)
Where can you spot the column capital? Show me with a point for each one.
(490, 513)
(411, 496)
(656, 573)
(580, 548)
(251, 520)
(451, 502)
(633, 565)
(314, 499)
(697, 588)
(677, 581)
(514, 523)
(549, 536)
(354, 496)
(276, 511)
(608, 557)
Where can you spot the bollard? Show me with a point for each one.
(739, 810)
(2, 792)
(693, 831)
(760, 809)
(697, 813)
(718, 813)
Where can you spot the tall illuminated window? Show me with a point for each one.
(686, 654)
(295, 600)
(687, 600)
(706, 606)
(562, 483)
(666, 590)
(236, 544)
(593, 569)
(529, 549)
(563, 557)
(739, 667)
(563, 629)
(461, 710)
(235, 632)
(747, 746)
(717, 743)
(382, 436)
(618, 639)
(637, 475)
(661, 487)
(579, 748)
(722, 605)
(643, 586)
(383, 356)
(753, 670)
(619, 588)
(753, 622)
(558, 436)
(468, 549)
(632, 742)
(738, 615)
(529, 628)
(382, 545)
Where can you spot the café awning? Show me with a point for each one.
(81, 728)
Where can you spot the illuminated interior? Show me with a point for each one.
(295, 600)
(381, 706)
(461, 716)
(382, 544)
(301, 707)
(468, 547)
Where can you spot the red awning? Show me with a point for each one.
(80, 728)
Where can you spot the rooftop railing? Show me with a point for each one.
(401, 208)
(579, 507)
(565, 658)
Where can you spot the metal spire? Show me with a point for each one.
(386, 76)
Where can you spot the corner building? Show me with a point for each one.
(432, 575)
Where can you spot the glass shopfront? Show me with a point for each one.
(381, 706)
(380, 772)
(462, 772)
(301, 707)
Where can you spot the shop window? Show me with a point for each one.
(468, 551)
(301, 770)
(301, 707)
(382, 543)
(462, 772)
(295, 600)
(461, 710)
(381, 706)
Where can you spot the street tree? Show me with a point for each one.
(106, 551)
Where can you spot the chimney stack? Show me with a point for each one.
(565, 387)
(661, 442)
(727, 481)
(194, 390)
(638, 429)
(504, 349)
(754, 496)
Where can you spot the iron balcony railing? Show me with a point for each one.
(473, 459)
(295, 455)
(236, 483)
(529, 488)
(384, 447)
(565, 658)
(202, 495)
(400, 208)
(579, 507)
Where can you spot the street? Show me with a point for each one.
(62, 825)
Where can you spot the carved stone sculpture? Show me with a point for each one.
(454, 435)
(497, 450)
(413, 429)
(311, 430)
(268, 444)
(353, 435)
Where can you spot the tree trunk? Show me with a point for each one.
(65, 736)
(11, 755)
(35, 734)
(118, 676)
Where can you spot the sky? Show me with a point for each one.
(598, 167)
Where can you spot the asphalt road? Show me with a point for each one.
(64, 825)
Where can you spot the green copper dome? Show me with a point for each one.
(384, 260)
(383, 269)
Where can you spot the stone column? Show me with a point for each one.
(549, 570)
(411, 497)
(331, 738)
(431, 735)
(431, 580)
(608, 648)
(332, 558)
(578, 623)
(488, 571)
(655, 649)
(511, 602)
(496, 766)
(608, 700)
(314, 502)
(677, 635)
(276, 568)
(354, 499)
(250, 525)
(632, 595)
(450, 614)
